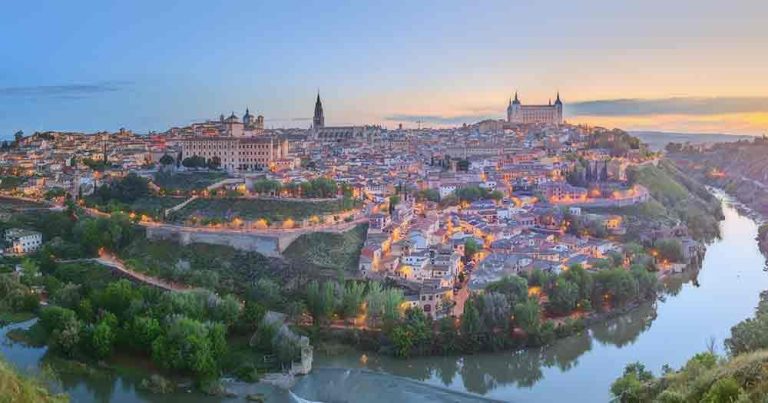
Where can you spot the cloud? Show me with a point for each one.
(65, 91)
(441, 119)
(668, 106)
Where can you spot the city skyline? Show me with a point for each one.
(695, 69)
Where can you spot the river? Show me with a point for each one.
(699, 307)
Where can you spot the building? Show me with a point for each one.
(550, 114)
(318, 120)
(339, 133)
(22, 241)
(253, 123)
(237, 154)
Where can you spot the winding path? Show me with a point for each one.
(111, 261)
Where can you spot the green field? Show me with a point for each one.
(252, 209)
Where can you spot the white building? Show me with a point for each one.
(22, 241)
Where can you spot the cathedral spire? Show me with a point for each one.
(318, 120)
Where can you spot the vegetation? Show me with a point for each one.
(328, 250)
(177, 182)
(683, 198)
(503, 316)
(742, 376)
(17, 388)
(225, 209)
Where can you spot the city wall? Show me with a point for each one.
(267, 245)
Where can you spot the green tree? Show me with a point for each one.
(375, 301)
(723, 390)
(514, 288)
(103, 339)
(142, 331)
(629, 388)
(563, 297)
(527, 315)
(471, 247)
(166, 160)
(393, 299)
(353, 297)
(186, 346)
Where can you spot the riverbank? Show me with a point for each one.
(697, 306)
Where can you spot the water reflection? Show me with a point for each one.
(667, 331)
(482, 373)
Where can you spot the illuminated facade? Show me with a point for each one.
(519, 113)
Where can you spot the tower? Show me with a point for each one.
(513, 110)
(559, 108)
(318, 121)
(247, 118)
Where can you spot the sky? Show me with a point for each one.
(684, 65)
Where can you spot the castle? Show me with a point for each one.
(519, 113)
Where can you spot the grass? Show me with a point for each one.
(661, 185)
(251, 209)
(7, 317)
(155, 205)
(17, 388)
(328, 250)
(184, 182)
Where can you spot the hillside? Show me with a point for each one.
(741, 169)
(741, 376)
(658, 140)
(328, 250)
(17, 388)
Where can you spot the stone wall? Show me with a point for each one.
(267, 245)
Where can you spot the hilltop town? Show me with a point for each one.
(529, 225)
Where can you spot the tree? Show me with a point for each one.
(375, 301)
(619, 284)
(527, 315)
(471, 247)
(194, 161)
(166, 160)
(723, 390)
(629, 388)
(66, 337)
(583, 280)
(251, 316)
(495, 310)
(352, 299)
(18, 136)
(470, 320)
(103, 339)
(670, 249)
(320, 302)
(142, 331)
(393, 299)
(513, 287)
(563, 297)
(214, 162)
(186, 346)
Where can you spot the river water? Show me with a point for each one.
(699, 306)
